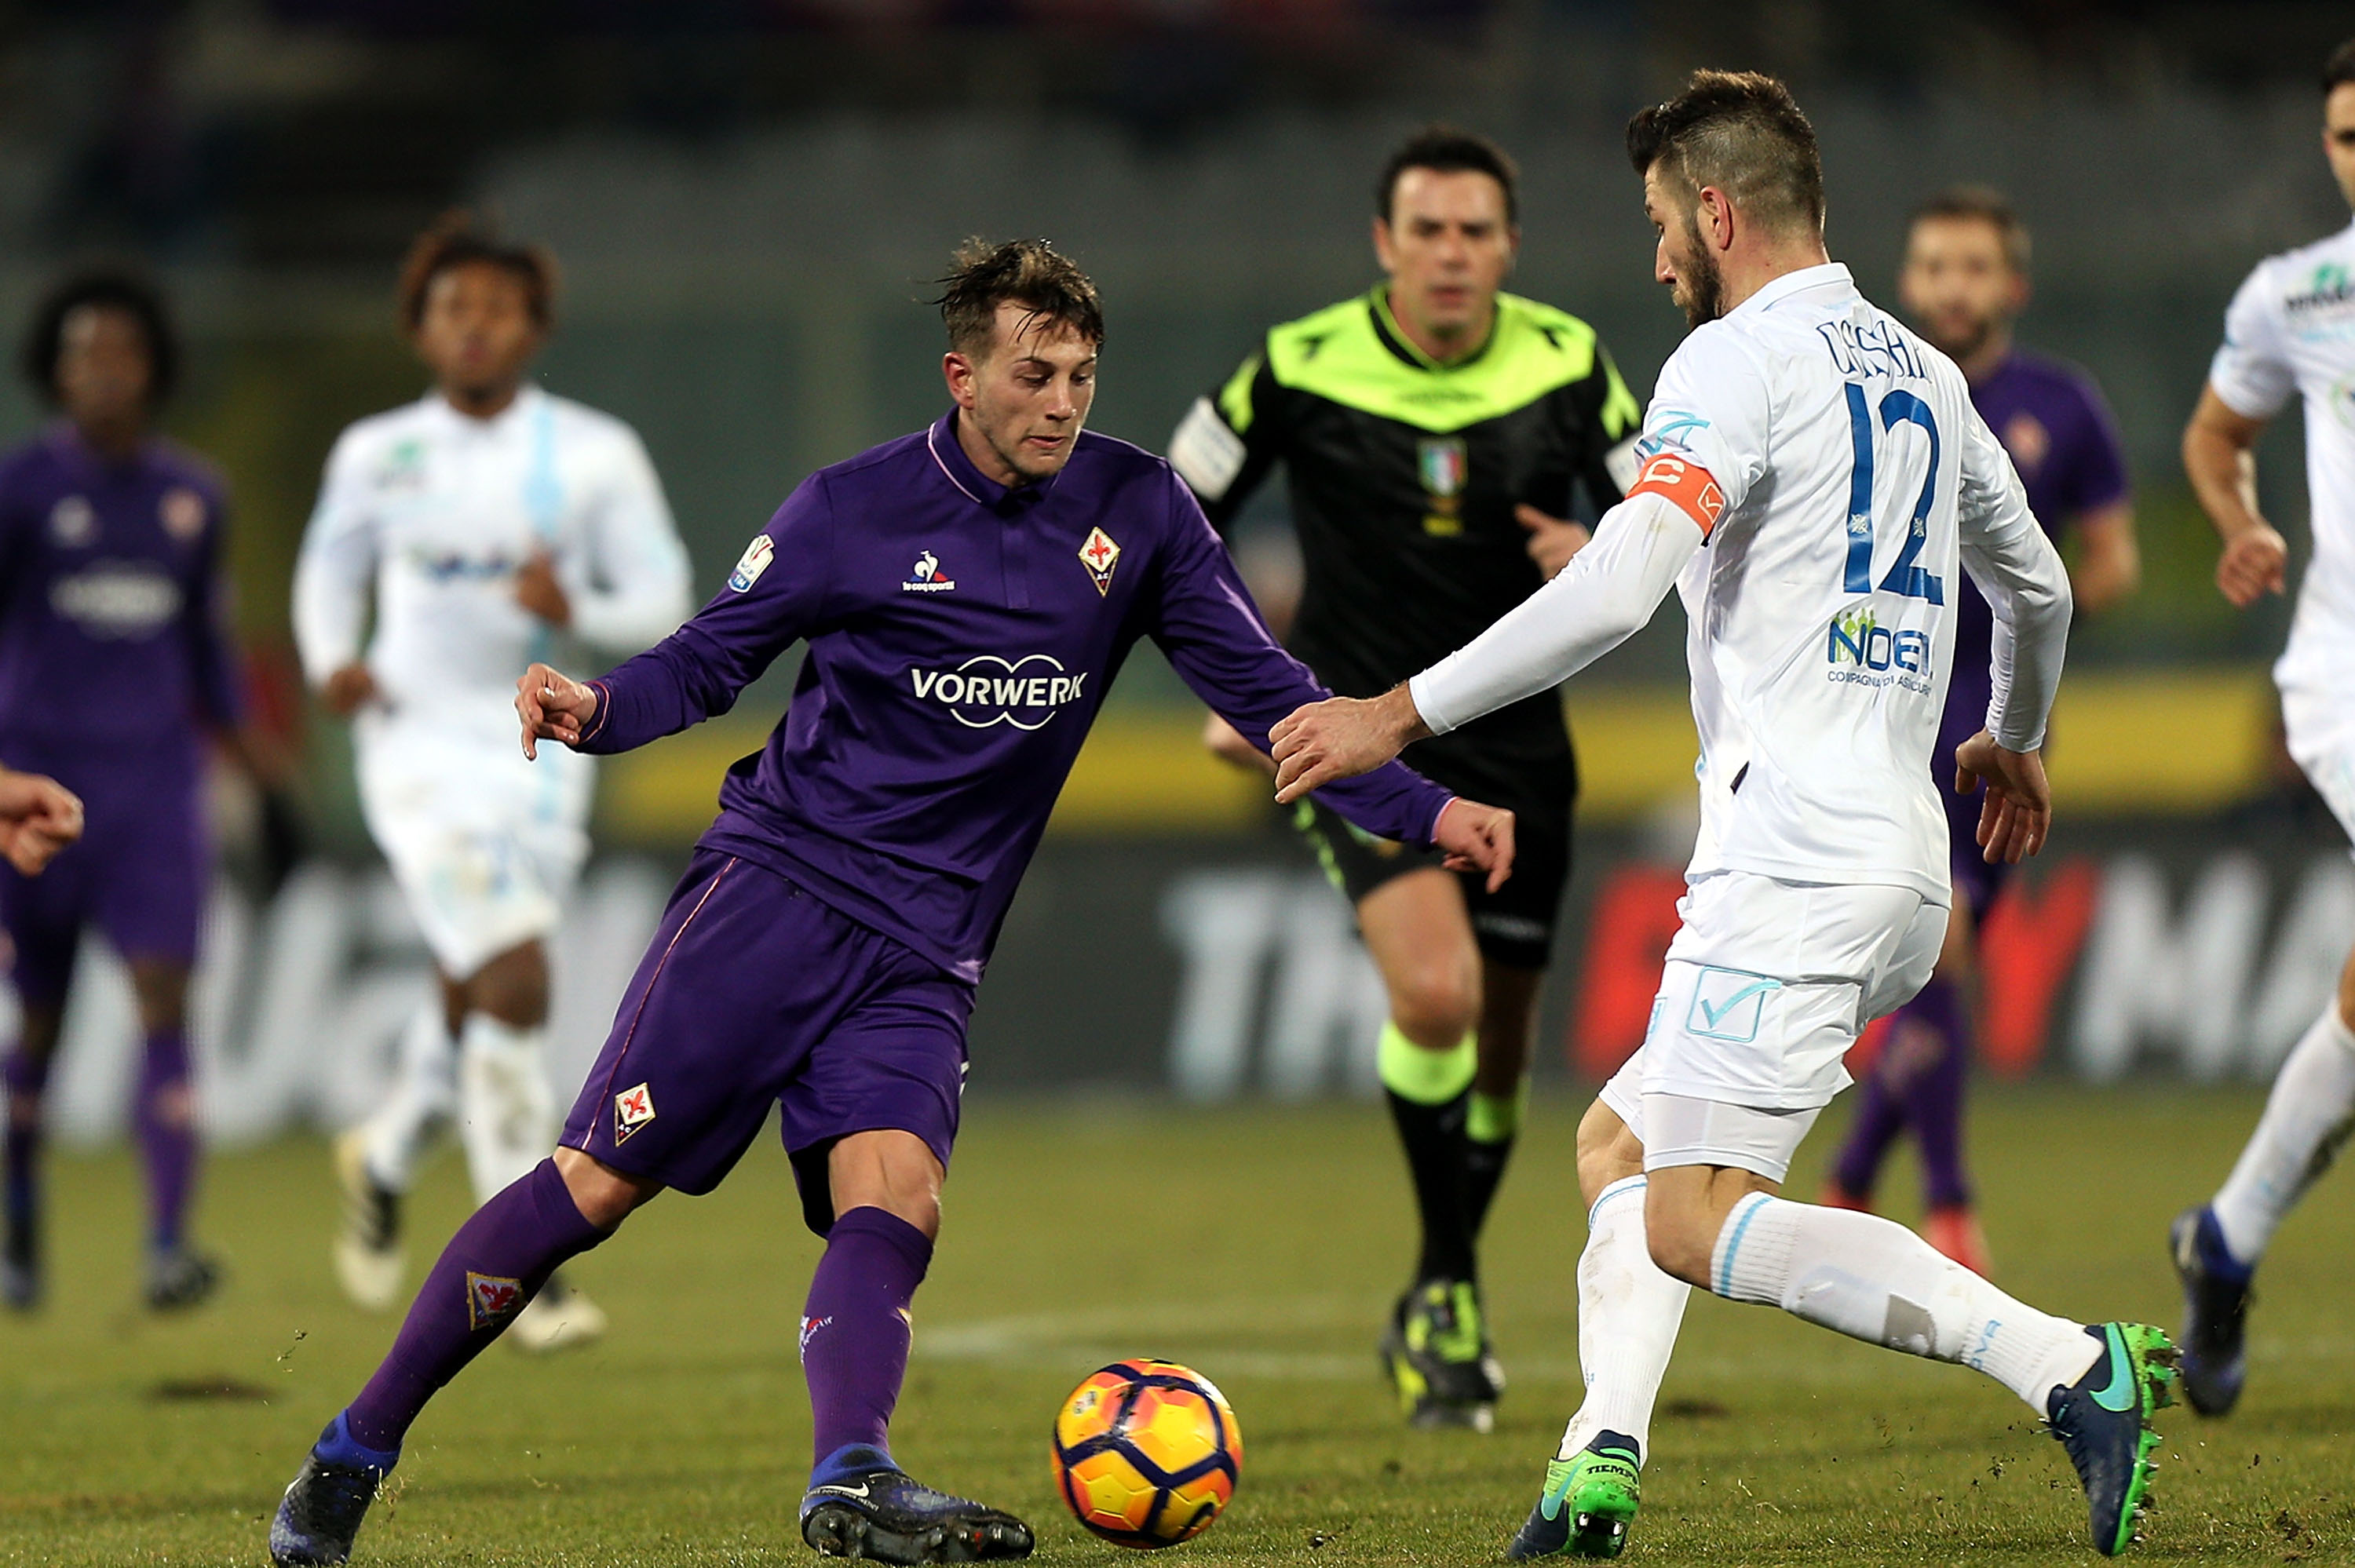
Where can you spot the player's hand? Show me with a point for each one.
(1477, 838)
(537, 590)
(2256, 562)
(2019, 809)
(1339, 738)
(1552, 540)
(553, 706)
(350, 689)
(1227, 743)
(39, 817)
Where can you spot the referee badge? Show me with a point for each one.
(1444, 466)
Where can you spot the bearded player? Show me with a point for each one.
(967, 593)
(485, 522)
(1964, 283)
(1436, 435)
(2290, 333)
(1814, 480)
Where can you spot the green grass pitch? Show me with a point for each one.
(1261, 1245)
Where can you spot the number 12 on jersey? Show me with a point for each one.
(1904, 577)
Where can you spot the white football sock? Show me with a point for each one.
(507, 1115)
(1872, 1279)
(1629, 1312)
(425, 1092)
(2307, 1117)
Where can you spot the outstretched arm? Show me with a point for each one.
(1205, 622)
(775, 597)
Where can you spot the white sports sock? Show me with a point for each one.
(424, 1094)
(2306, 1118)
(1629, 1312)
(1872, 1279)
(507, 1115)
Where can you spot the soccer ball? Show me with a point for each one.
(1146, 1452)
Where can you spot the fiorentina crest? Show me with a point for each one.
(632, 1108)
(1100, 555)
(491, 1299)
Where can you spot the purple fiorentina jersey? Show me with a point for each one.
(111, 623)
(961, 638)
(2050, 417)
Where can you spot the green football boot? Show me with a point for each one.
(1436, 1355)
(2103, 1420)
(1588, 1504)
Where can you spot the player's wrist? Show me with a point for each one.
(1402, 720)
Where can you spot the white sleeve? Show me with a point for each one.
(336, 565)
(2012, 560)
(1603, 596)
(2252, 372)
(631, 589)
(1712, 408)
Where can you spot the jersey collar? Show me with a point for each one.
(1393, 337)
(527, 400)
(1790, 283)
(941, 440)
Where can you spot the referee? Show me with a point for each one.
(1439, 435)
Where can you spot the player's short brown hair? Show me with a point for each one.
(1031, 273)
(2339, 68)
(463, 238)
(1982, 204)
(1742, 132)
(1445, 150)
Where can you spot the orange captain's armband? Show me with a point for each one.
(1687, 485)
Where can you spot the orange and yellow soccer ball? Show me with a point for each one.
(1146, 1452)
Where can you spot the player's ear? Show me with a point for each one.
(1385, 253)
(959, 373)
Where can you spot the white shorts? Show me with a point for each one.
(485, 843)
(2319, 724)
(1766, 986)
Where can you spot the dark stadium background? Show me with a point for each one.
(747, 198)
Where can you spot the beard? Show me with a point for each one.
(1964, 344)
(1701, 287)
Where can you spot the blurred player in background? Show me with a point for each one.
(1814, 475)
(1439, 435)
(488, 518)
(1964, 282)
(967, 593)
(2290, 333)
(117, 675)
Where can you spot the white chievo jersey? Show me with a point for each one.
(1858, 479)
(1813, 476)
(437, 511)
(2291, 332)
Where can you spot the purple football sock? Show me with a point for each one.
(496, 1263)
(1934, 1096)
(166, 1115)
(1879, 1118)
(26, 1076)
(854, 1329)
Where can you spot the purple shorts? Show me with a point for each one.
(755, 992)
(1975, 879)
(138, 875)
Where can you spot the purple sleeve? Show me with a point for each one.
(2097, 467)
(1206, 623)
(212, 647)
(771, 600)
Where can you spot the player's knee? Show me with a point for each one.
(1435, 1001)
(604, 1196)
(513, 987)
